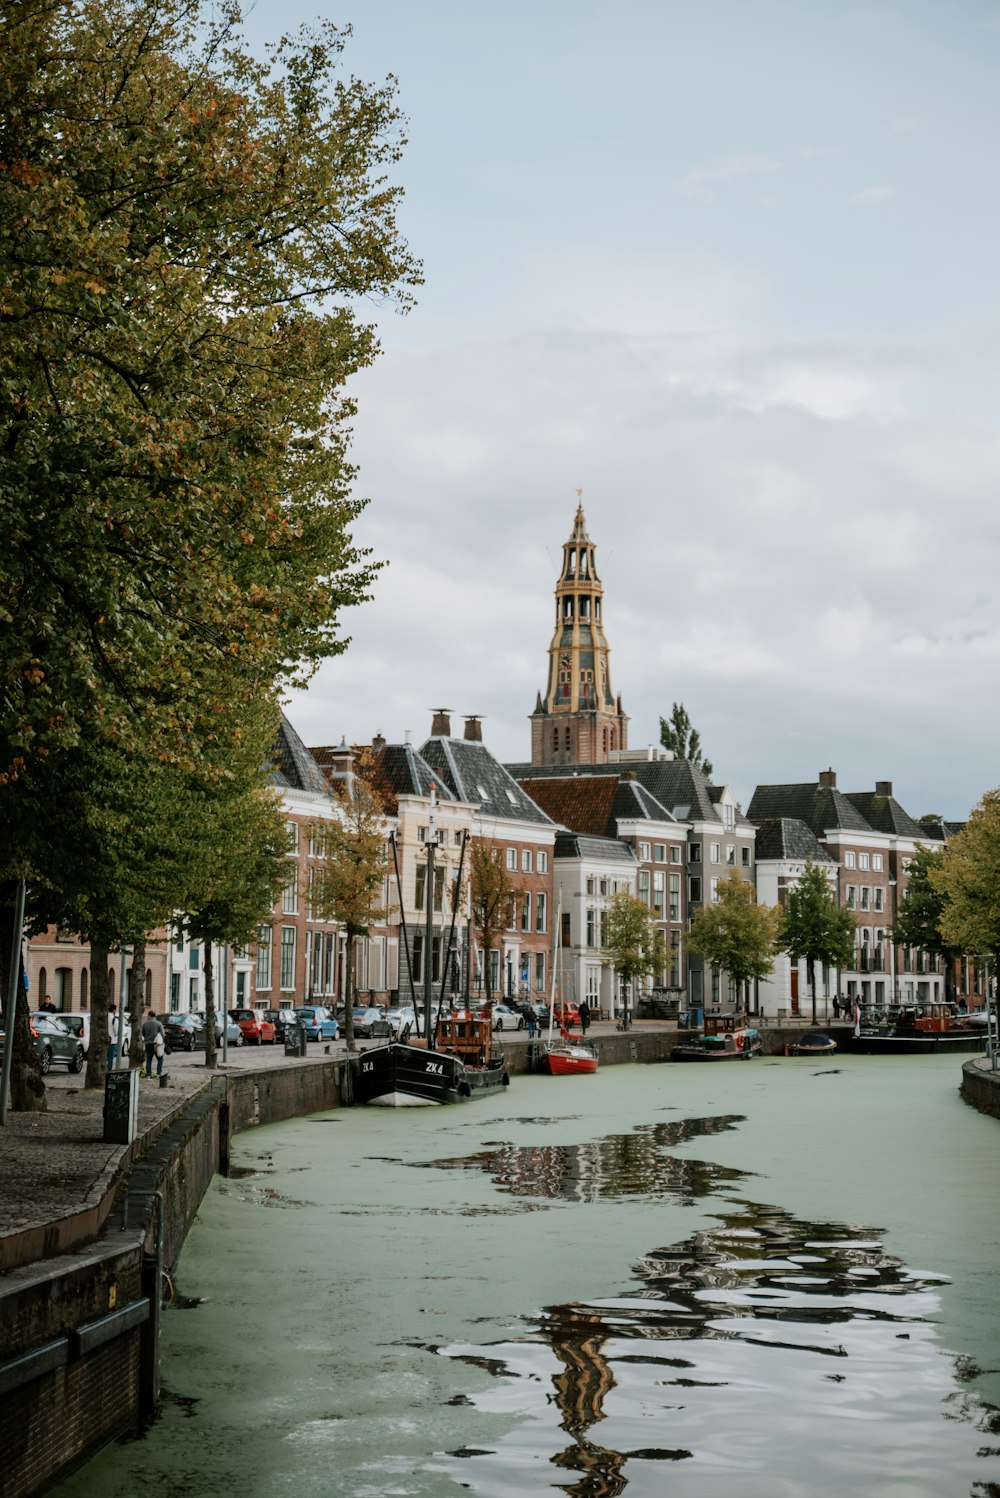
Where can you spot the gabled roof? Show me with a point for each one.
(595, 804)
(885, 814)
(294, 767)
(787, 837)
(593, 849)
(678, 785)
(822, 808)
(472, 774)
(398, 770)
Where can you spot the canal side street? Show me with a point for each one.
(57, 1163)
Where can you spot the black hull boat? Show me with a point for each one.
(725, 1037)
(915, 1030)
(460, 1066)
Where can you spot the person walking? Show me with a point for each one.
(531, 1020)
(154, 1040)
(585, 1017)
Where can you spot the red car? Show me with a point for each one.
(255, 1028)
(567, 1015)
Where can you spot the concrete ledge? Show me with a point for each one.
(981, 1086)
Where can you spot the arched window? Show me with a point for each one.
(84, 982)
(149, 989)
(555, 738)
(43, 989)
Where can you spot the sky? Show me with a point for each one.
(729, 268)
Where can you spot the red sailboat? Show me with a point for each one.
(565, 1057)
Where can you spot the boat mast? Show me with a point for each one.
(555, 962)
(429, 920)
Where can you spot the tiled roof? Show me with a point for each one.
(398, 770)
(787, 837)
(593, 849)
(822, 808)
(470, 771)
(677, 784)
(596, 803)
(885, 814)
(294, 767)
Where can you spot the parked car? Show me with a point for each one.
(74, 1020)
(567, 1015)
(505, 1018)
(234, 1035)
(55, 1044)
(404, 1015)
(256, 1027)
(319, 1022)
(183, 1032)
(279, 1019)
(369, 1023)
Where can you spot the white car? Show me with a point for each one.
(505, 1018)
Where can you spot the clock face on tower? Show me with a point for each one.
(564, 659)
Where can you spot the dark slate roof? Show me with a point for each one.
(294, 767)
(885, 814)
(598, 849)
(787, 837)
(822, 808)
(470, 771)
(634, 802)
(677, 784)
(398, 770)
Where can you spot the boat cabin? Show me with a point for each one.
(725, 1024)
(466, 1035)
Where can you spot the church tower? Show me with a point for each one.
(579, 720)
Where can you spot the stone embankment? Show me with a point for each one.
(981, 1084)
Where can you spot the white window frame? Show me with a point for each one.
(526, 860)
(512, 860)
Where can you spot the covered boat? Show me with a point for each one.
(724, 1037)
(813, 1043)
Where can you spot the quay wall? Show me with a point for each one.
(79, 1318)
(981, 1086)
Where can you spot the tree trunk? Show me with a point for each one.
(349, 991)
(97, 1056)
(210, 1056)
(27, 1087)
(812, 987)
(488, 973)
(136, 997)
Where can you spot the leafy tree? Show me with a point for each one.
(920, 915)
(493, 899)
(678, 734)
(967, 878)
(738, 936)
(816, 927)
(350, 886)
(631, 938)
(184, 234)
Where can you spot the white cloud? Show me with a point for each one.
(705, 181)
(782, 546)
(873, 195)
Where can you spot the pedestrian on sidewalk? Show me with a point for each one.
(531, 1020)
(155, 1041)
(585, 1017)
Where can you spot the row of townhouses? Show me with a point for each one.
(585, 819)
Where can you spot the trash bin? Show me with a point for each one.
(295, 1038)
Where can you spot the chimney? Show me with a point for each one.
(828, 780)
(441, 723)
(883, 787)
(342, 763)
(474, 727)
(378, 744)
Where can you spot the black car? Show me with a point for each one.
(279, 1019)
(183, 1032)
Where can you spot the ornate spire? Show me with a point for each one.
(585, 718)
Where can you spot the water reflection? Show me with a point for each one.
(621, 1165)
(767, 1354)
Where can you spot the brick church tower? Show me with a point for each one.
(579, 720)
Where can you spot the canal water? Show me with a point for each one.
(778, 1278)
